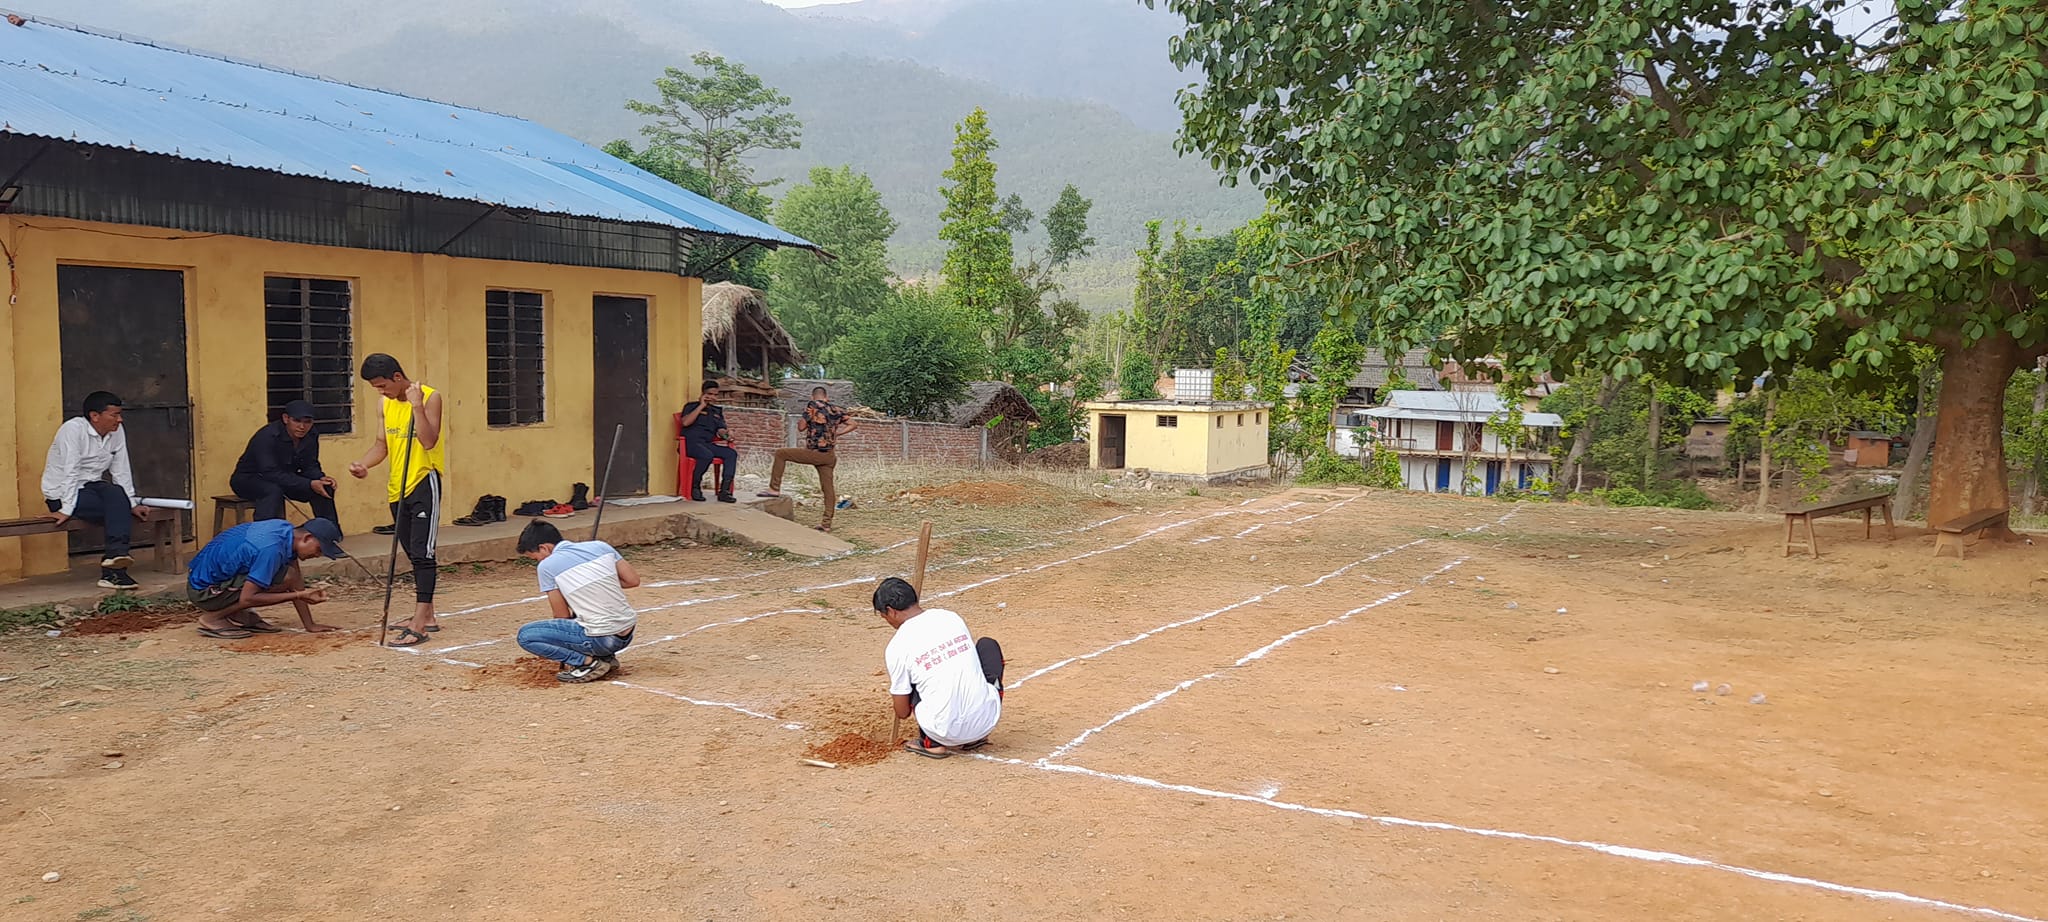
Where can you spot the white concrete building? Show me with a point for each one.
(1437, 433)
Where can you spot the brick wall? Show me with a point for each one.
(760, 432)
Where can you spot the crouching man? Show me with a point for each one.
(586, 583)
(256, 565)
(938, 671)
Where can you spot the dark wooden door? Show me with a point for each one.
(123, 330)
(1446, 436)
(1111, 457)
(619, 389)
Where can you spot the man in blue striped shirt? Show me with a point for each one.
(586, 583)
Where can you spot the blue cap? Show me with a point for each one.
(329, 535)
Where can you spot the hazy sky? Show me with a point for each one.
(804, 2)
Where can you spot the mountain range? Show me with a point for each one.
(1078, 91)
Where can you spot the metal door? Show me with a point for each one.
(1443, 475)
(123, 330)
(1492, 477)
(619, 391)
(1111, 455)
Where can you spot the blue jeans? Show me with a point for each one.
(563, 640)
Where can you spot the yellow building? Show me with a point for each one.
(1200, 441)
(210, 239)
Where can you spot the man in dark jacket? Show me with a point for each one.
(705, 439)
(283, 462)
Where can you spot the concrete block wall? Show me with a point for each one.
(760, 432)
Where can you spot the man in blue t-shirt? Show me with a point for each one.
(257, 565)
(586, 583)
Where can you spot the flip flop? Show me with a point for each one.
(917, 747)
(432, 629)
(407, 637)
(977, 744)
(261, 627)
(225, 634)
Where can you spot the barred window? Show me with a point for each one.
(515, 385)
(309, 348)
(1164, 421)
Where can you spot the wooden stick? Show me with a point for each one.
(924, 552)
(895, 724)
(391, 569)
(818, 764)
(604, 483)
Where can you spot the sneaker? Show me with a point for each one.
(481, 515)
(727, 498)
(117, 580)
(383, 529)
(117, 562)
(588, 672)
(579, 496)
(559, 511)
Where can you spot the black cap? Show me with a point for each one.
(329, 535)
(299, 409)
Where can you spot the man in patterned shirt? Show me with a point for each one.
(823, 424)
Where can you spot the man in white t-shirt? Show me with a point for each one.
(937, 670)
(586, 583)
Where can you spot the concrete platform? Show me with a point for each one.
(755, 523)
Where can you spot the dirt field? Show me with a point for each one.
(1305, 705)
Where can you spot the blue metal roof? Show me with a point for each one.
(67, 83)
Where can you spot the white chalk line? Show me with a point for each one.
(1143, 635)
(727, 705)
(1617, 851)
(1333, 507)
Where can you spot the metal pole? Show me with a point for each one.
(391, 568)
(604, 485)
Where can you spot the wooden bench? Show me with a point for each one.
(1807, 513)
(164, 528)
(1950, 534)
(227, 504)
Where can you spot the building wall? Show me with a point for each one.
(1196, 446)
(758, 432)
(426, 310)
(1419, 473)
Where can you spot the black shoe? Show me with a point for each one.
(579, 497)
(117, 580)
(588, 672)
(534, 507)
(384, 529)
(481, 515)
(497, 509)
(727, 498)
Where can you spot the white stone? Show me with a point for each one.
(1551, 670)
(52, 877)
(1723, 689)
(1701, 685)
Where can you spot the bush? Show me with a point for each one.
(1329, 469)
(913, 357)
(1681, 495)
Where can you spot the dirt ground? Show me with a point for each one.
(1306, 705)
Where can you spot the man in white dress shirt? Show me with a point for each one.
(88, 451)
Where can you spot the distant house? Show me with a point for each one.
(1867, 449)
(1203, 441)
(1707, 440)
(1435, 433)
(1374, 373)
(741, 336)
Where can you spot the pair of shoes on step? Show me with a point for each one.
(488, 509)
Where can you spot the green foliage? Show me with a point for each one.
(1233, 379)
(1815, 412)
(977, 271)
(818, 299)
(32, 616)
(1383, 470)
(1336, 357)
(2026, 430)
(1066, 228)
(1620, 435)
(1681, 495)
(676, 166)
(1139, 378)
(913, 357)
(715, 119)
(1329, 468)
(1696, 190)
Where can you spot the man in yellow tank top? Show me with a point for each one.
(415, 487)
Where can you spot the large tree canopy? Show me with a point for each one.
(1700, 189)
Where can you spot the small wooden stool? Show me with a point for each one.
(228, 502)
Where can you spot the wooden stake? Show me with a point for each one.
(817, 764)
(391, 565)
(924, 551)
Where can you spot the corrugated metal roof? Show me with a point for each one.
(1460, 406)
(72, 84)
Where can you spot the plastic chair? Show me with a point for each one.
(686, 466)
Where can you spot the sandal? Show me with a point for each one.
(977, 744)
(260, 627)
(431, 628)
(231, 633)
(407, 637)
(918, 746)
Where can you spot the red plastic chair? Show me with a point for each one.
(686, 466)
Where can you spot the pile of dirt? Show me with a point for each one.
(295, 643)
(977, 493)
(136, 620)
(524, 672)
(850, 749)
(1065, 456)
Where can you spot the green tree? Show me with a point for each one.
(1336, 355)
(716, 118)
(1066, 228)
(1139, 379)
(819, 299)
(1697, 186)
(914, 357)
(977, 271)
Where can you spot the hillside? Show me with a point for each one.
(871, 92)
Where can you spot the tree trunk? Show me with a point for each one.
(1969, 436)
(1763, 462)
(1581, 440)
(1916, 451)
(1654, 435)
(2031, 486)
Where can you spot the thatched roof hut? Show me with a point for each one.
(741, 335)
